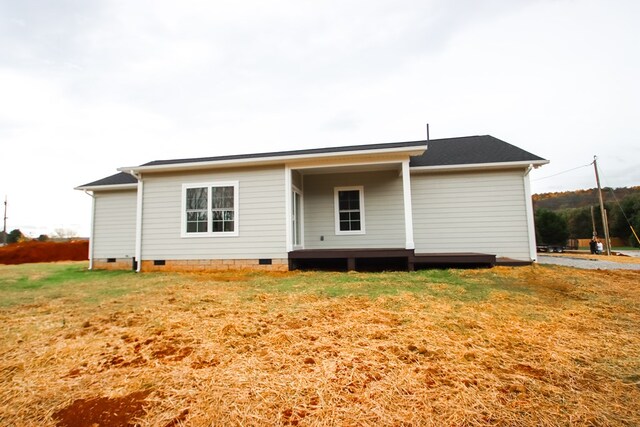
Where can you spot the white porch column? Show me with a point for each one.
(408, 210)
(139, 224)
(92, 229)
(531, 227)
(287, 208)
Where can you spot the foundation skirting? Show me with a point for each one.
(216, 265)
(115, 264)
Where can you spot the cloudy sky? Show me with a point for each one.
(87, 86)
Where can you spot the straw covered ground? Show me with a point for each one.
(524, 346)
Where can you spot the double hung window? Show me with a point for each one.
(349, 210)
(210, 209)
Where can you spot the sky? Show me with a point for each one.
(88, 86)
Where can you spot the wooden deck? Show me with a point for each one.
(383, 258)
(510, 262)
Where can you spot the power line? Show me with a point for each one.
(560, 173)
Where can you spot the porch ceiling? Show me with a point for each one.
(374, 167)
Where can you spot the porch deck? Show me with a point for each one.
(383, 259)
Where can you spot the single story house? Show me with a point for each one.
(444, 201)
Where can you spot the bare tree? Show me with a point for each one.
(65, 233)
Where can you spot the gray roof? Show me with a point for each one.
(120, 178)
(291, 153)
(471, 150)
(440, 152)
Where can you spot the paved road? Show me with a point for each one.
(586, 263)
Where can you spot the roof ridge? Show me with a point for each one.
(461, 150)
(333, 149)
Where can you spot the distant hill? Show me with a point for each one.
(580, 198)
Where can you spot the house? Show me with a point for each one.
(446, 201)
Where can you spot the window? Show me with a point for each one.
(349, 210)
(210, 209)
(222, 206)
(197, 210)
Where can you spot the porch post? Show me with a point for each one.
(408, 210)
(140, 199)
(287, 208)
(531, 228)
(92, 229)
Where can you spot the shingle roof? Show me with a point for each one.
(470, 150)
(117, 179)
(291, 153)
(440, 152)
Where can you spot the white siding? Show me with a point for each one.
(261, 212)
(114, 230)
(471, 212)
(384, 211)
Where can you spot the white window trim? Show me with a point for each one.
(336, 208)
(209, 233)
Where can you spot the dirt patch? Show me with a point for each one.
(172, 353)
(103, 411)
(34, 251)
(179, 420)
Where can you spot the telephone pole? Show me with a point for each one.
(605, 224)
(4, 229)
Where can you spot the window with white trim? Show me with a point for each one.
(210, 209)
(349, 210)
(222, 209)
(197, 218)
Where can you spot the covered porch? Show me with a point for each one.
(349, 203)
(356, 214)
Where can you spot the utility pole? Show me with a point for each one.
(4, 230)
(605, 225)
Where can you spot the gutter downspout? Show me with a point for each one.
(531, 227)
(138, 220)
(91, 227)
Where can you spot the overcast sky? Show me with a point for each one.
(88, 86)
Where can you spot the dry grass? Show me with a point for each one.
(508, 346)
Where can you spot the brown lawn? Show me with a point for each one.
(521, 346)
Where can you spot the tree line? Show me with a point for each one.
(16, 236)
(567, 215)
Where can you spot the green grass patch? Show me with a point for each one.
(437, 283)
(62, 275)
(28, 283)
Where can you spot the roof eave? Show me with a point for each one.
(262, 161)
(107, 187)
(480, 166)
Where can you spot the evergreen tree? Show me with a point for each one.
(551, 228)
(15, 236)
